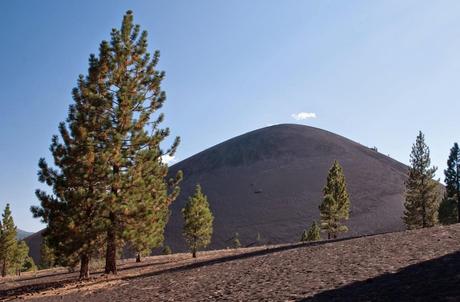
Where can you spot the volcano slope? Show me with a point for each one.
(269, 182)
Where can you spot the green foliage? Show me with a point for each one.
(14, 257)
(21, 261)
(335, 207)
(110, 185)
(447, 212)
(236, 241)
(29, 265)
(8, 243)
(167, 250)
(198, 221)
(314, 232)
(422, 192)
(47, 257)
(448, 209)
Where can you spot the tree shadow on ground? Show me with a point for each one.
(433, 280)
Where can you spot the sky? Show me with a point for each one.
(375, 72)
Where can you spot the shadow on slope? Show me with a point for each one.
(432, 280)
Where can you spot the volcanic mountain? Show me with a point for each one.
(266, 185)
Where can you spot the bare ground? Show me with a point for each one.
(422, 265)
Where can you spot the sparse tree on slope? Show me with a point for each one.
(450, 204)
(197, 221)
(8, 243)
(422, 194)
(335, 207)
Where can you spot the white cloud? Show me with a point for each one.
(168, 159)
(303, 115)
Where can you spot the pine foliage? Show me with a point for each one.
(448, 212)
(109, 184)
(335, 207)
(8, 243)
(312, 234)
(198, 221)
(14, 257)
(422, 192)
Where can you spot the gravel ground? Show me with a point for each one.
(421, 265)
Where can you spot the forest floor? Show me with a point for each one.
(420, 265)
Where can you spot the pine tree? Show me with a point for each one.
(449, 207)
(110, 183)
(20, 256)
(198, 221)
(422, 193)
(73, 211)
(236, 241)
(304, 236)
(336, 203)
(8, 244)
(47, 256)
(313, 233)
(137, 206)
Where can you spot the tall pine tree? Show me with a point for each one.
(136, 207)
(197, 221)
(78, 178)
(335, 207)
(449, 209)
(110, 171)
(422, 193)
(8, 243)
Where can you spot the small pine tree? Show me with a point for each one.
(422, 194)
(19, 257)
(448, 212)
(336, 203)
(313, 233)
(167, 250)
(47, 257)
(304, 236)
(198, 221)
(236, 241)
(29, 265)
(258, 238)
(8, 244)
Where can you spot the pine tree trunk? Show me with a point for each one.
(194, 253)
(138, 257)
(84, 267)
(111, 252)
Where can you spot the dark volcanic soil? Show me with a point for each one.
(421, 265)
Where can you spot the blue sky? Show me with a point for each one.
(373, 71)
